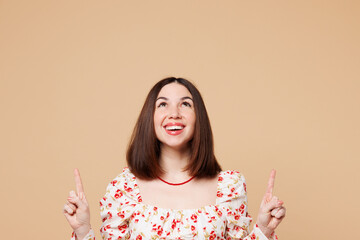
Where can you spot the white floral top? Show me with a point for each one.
(124, 215)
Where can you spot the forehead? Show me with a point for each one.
(174, 90)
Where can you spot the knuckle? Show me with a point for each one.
(72, 206)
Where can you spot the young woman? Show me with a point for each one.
(173, 187)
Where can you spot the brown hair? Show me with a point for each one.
(144, 148)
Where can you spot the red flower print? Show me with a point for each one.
(159, 230)
(194, 218)
(139, 237)
(193, 228)
(212, 235)
(219, 194)
(173, 225)
(109, 205)
(121, 214)
(114, 182)
(122, 227)
(220, 179)
(119, 193)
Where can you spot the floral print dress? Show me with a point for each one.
(124, 215)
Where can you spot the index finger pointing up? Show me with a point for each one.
(78, 183)
(270, 186)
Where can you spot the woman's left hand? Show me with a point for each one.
(272, 211)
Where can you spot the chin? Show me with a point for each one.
(176, 146)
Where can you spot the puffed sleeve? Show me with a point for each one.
(116, 209)
(234, 199)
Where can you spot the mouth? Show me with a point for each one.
(174, 128)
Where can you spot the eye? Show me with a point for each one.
(186, 104)
(162, 104)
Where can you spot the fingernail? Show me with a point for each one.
(280, 202)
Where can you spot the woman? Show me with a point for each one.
(173, 187)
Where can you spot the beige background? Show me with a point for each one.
(280, 80)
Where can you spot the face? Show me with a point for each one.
(174, 117)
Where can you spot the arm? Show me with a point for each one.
(116, 209)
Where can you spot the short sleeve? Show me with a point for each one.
(233, 198)
(117, 208)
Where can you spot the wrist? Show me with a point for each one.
(266, 231)
(82, 231)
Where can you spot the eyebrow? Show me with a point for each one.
(183, 98)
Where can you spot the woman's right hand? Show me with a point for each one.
(76, 209)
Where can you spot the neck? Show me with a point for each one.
(173, 162)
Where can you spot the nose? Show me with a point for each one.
(174, 113)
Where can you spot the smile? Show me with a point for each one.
(174, 128)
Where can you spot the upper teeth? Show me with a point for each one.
(174, 128)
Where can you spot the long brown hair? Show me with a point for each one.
(144, 148)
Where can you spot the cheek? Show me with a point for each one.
(191, 118)
(158, 118)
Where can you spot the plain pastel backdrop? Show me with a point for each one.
(280, 80)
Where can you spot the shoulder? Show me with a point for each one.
(123, 179)
(231, 175)
(231, 184)
(124, 184)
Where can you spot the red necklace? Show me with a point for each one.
(176, 184)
